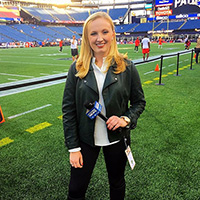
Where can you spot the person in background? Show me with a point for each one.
(145, 44)
(104, 75)
(197, 49)
(74, 48)
(160, 41)
(137, 43)
(61, 45)
(188, 43)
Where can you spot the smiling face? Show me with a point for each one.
(100, 36)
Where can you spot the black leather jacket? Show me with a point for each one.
(119, 90)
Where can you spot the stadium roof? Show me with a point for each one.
(88, 2)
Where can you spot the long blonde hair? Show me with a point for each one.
(86, 52)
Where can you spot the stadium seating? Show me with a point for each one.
(168, 26)
(76, 29)
(71, 15)
(191, 24)
(125, 28)
(11, 35)
(145, 27)
(39, 13)
(32, 32)
(117, 13)
(79, 16)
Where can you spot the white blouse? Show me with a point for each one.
(100, 130)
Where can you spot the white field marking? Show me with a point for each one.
(171, 48)
(29, 63)
(16, 75)
(12, 79)
(57, 72)
(148, 72)
(154, 71)
(180, 61)
(29, 111)
(171, 65)
(54, 54)
(29, 88)
(11, 56)
(126, 48)
(44, 74)
(186, 59)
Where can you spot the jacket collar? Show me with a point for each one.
(90, 79)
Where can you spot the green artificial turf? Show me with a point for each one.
(165, 144)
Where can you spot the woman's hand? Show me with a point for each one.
(115, 122)
(76, 159)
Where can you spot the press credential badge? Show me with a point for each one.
(130, 157)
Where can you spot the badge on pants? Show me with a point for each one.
(130, 157)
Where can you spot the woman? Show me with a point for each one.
(100, 74)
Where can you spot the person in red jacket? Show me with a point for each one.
(137, 43)
(160, 41)
(61, 45)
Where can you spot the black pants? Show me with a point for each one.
(197, 50)
(115, 159)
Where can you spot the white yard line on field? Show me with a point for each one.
(5, 74)
(57, 72)
(29, 111)
(148, 72)
(12, 79)
(44, 74)
(29, 63)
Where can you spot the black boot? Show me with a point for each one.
(117, 193)
(70, 198)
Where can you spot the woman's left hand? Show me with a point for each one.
(115, 122)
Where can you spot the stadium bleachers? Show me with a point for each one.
(70, 15)
(168, 26)
(39, 13)
(124, 28)
(191, 24)
(65, 31)
(30, 32)
(144, 27)
(57, 17)
(117, 13)
(13, 34)
(82, 16)
(76, 29)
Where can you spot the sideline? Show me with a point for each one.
(29, 88)
(63, 79)
(18, 75)
(28, 63)
(29, 111)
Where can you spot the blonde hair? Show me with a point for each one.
(86, 52)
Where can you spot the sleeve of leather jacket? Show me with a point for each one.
(69, 110)
(137, 100)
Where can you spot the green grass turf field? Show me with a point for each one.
(165, 144)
